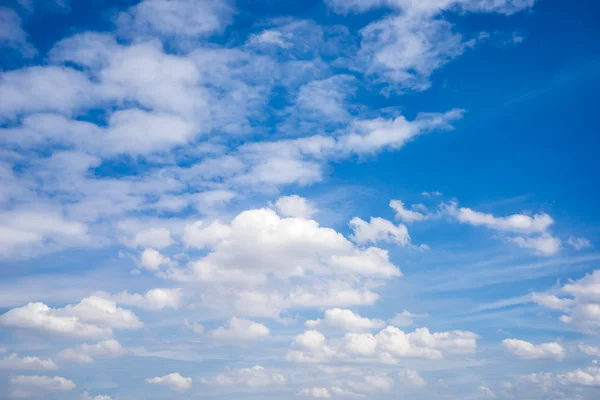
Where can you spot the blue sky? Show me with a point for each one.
(207, 199)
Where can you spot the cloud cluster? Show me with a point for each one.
(387, 346)
(581, 306)
(173, 380)
(254, 377)
(93, 317)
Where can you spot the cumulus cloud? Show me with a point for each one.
(87, 396)
(319, 393)
(405, 214)
(173, 380)
(582, 308)
(412, 378)
(294, 206)
(345, 320)
(152, 259)
(12, 34)
(256, 376)
(35, 385)
(530, 351)
(589, 350)
(378, 230)
(405, 318)
(176, 18)
(153, 299)
(239, 329)
(579, 243)
(86, 353)
(532, 232)
(14, 362)
(259, 243)
(93, 317)
(387, 346)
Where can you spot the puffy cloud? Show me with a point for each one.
(404, 214)
(387, 346)
(154, 299)
(270, 37)
(35, 385)
(259, 243)
(412, 378)
(87, 396)
(345, 320)
(86, 353)
(176, 18)
(13, 361)
(93, 317)
(530, 351)
(589, 350)
(12, 34)
(239, 329)
(582, 309)
(294, 206)
(152, 259)
(545, 244)
(22, 232)
(519, 223)
(532, 230)
(378, 230)
(157, 238)
(579, 243)
(552, 302)
(195, 327)
(202, 236)
(371, 383)
(405, 318)
(173, 380)
(256, 376)
(319, 393)
(487, 392)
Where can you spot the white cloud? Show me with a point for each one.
(187, 19)
(157, 238)
(202, 236)
(529, 351)
(174, 380)
(294, 206)
(371, 383)
(388, 346)
(154, 299)
(22, 232)
(195, 327)
(93, 317)
(319, 393)
(579, 243)
(552, 302)
(259, 243)
(345, 320)
(13, 361)
(12, 34)
(404, 214)
(87, 396)
(270, 37)
(254, 377)
(519, 223)
(435, 193)
(37, 386)
(545, 244)
(86, 353)
(412, 378)
(378, 230)
(152, 259)
(487, 392)
(405, 318)
(239, 329)
(589, 350)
